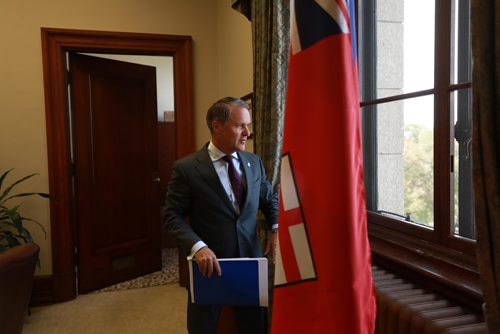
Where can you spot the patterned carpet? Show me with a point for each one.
(167, 275)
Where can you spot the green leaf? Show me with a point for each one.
(13, 231)
(3, 177)
(12, 239)
(7, 191)
(36, 223)
(44, 195)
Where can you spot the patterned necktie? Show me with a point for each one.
(235, 179)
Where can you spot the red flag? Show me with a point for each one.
(323, 280)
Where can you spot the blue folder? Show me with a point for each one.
(243, 282)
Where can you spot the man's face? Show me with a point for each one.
(231, 136)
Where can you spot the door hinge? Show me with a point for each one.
(75, 253)
(67, 77)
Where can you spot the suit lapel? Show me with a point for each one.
(247, 169)
(207, 170)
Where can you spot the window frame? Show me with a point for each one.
(436, 256)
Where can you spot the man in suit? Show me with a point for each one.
(221, 202)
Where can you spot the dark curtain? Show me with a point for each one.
(271, 45)
(485, 19)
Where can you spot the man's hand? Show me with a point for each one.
(207, 262)
(272, 243)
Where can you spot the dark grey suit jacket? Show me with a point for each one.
(195, 191)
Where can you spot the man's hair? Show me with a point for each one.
(220, 110)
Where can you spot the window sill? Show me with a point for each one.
(436, 268)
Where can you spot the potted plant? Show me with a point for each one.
(13, 232)
(18, 257)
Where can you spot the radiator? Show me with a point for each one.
(406, 308)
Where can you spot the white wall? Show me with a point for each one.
(164, 66)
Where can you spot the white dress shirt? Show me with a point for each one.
(221, 167)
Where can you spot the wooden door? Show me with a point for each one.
(114, 131)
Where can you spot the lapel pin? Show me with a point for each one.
(248, 164)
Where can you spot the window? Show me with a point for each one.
(415, 73)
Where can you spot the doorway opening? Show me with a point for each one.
(56, 43)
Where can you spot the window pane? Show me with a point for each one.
(460, 51)
(463, 201)
(405, 46)
(405, 176)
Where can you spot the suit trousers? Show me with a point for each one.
(203, 319)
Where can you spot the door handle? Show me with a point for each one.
(156, 177)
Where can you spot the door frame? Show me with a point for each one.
(55, 44)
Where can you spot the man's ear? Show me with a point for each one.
(216, 126)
